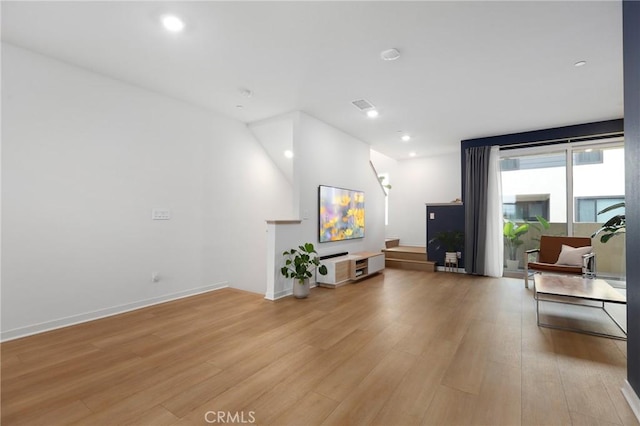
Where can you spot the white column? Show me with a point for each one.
(281, 235)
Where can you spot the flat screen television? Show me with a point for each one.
(341, 213)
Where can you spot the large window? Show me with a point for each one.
(597, 185)
(567, 184)
(526, 207)
(587, 208)
(589, 156)
(533, 185)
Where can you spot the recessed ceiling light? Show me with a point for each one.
(580, 63)
(288, 153)
(239, 106)
(406, 138)
(172, 23)
(412, 154)
(372, 113)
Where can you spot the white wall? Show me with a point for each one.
(327, 156)
(85, 159)
(417, 182)
(324, 156)
(384, 164)
(276, 136)
(244, 189)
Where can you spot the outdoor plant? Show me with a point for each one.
(615, 226)
(540, 227)
(512, 233)
(301, 262)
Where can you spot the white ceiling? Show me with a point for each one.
(468, 69)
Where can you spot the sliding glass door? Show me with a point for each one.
(598, 182)
(533, 193)
(566, 185)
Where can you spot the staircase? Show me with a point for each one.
(406, 257)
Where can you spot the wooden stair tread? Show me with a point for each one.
(415, 265)
(406, 252)
(405, 255)
(408, 257)
(406, 249)
(408, 260)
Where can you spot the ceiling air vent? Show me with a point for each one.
(363, 105)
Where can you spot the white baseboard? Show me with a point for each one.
(278, 295)
(283, 293)
(632, 399)
(102, 313)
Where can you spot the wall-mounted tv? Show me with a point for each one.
(341, 213)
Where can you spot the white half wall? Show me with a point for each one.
(417, 182)
(85, 160)
(282, 235)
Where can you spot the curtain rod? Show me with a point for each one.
(561, 140)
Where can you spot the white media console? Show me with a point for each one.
(350, 267)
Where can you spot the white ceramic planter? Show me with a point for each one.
(512, 265)
(300, 291)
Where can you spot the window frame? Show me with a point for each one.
(568, 149)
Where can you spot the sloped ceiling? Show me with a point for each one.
(468, 69)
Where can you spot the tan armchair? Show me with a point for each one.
(548, 257)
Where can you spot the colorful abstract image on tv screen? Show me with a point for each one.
(341, 214)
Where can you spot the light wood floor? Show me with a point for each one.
(402, 348)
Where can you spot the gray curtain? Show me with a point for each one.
(475, 208)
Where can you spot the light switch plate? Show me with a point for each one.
(160, 214)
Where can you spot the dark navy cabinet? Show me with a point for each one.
(443, 217)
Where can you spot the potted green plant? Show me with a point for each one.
(542, 225)
(512, 233)
(452, 241)
(299, 264)
(615, 226)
